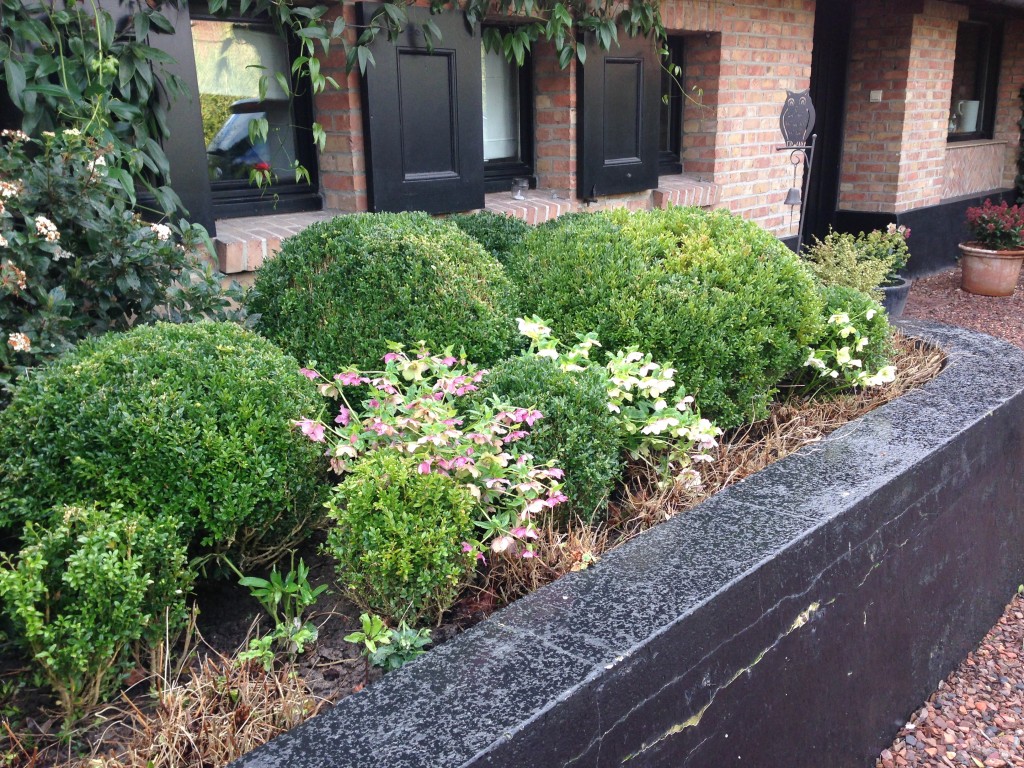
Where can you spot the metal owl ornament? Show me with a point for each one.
(797, 118)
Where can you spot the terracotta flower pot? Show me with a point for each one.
(989, 273)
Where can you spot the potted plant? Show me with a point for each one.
(991, 260)
(869, 262)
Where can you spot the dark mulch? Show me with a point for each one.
(976, 717)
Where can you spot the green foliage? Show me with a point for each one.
(70, 65)
(76, 261)
(389, 648)
(724, 301)
(499, 234)
(86, 589)
(216, 109)
(340, 290)
(285, 599)
(190, 423)
(863, 261)
(837, 261)
(876, 329)
(577, 432)
(398, 538)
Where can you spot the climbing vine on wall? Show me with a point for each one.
(68, 63)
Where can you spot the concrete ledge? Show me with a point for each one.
(539, 205)
(796, 619)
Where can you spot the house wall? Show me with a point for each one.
(741, 58)
(1008, 113)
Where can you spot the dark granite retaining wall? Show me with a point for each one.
(796, 619)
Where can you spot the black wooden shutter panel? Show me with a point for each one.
(423, 117)
(618, 129)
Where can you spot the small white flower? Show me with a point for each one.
(72, 132)
(162, 231)
(3, 242)
(862, 342)
(61, 254)
(843, 356)
(47, 229)
(870, 314)
(9, 189)
(19, 342)
(14, 135)
(887, 374)
(840, 318)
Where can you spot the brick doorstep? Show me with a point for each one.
(243, 244)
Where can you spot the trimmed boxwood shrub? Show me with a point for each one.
(341, 289)
(501, 235)
(398, 538)
(86, 589)
(724, 301)
(577, 432)
(186, 422)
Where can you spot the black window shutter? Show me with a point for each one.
(423, 117)
(618, 130)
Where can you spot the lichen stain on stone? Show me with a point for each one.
(802, 618)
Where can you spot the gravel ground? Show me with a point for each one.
(976, 717)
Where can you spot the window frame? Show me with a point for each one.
(670, 160)
(499, 173)
(238, 198)
(988, 60)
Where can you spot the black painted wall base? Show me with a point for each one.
(794, 620)
(935, 230)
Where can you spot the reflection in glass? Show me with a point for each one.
(230, 59)
(501, 106)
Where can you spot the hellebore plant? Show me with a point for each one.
(836, 364)
(410, 407)
(638, 390)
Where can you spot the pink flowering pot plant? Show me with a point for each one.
(991, 260)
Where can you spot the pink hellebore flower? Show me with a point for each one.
(350, 379)
(343, 417)
(449, 361)
(390, 357)
(522, 532)
(314, 430)
(467, 547)
(424, 469)
(309, 373)
(527, 554)
(555, 499)
(556, 473)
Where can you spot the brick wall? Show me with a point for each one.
(1008, 109)
(749, 55)
(342, 163)
(894, 151)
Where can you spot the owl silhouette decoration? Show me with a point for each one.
(797, 118)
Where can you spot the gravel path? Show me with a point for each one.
(976, 717)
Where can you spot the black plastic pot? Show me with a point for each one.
(894, 297)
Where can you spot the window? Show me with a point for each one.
(670, 128)
(231, 55)
(507, 120)
(975, 72)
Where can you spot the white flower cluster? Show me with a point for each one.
(47, 229)
(60, 254)
(162, 231)
(14, 135)
(19, 342)
(839, 361)
(9, 189)
(3, 240)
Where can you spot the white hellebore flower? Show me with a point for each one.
(843, 356)
(840, 318)
(532, 329)
(870, 314)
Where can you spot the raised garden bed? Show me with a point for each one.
(794, 619)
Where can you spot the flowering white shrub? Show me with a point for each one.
(837, 361)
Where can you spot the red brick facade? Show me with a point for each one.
(741, 58)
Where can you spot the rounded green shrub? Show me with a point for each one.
(577, 431)
(87, 588)
(500, 235)
(190, 423)
(341, 289)
(720, 298)
(398, 537)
